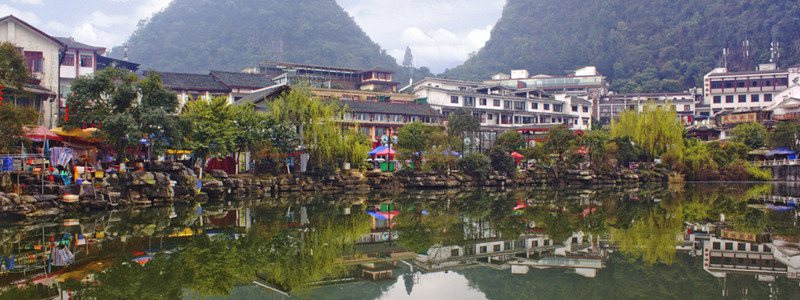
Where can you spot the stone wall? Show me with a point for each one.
(786, 173)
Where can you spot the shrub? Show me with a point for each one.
(503, 162)
(760, 174)
(475, 164)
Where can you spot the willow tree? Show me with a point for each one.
(656, 130)
(326, 141)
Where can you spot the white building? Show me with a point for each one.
(751, 90)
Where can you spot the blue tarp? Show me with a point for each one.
(377, 150)
(779, 208)
(781, 151)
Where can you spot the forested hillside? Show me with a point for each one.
(202, 35)
(640, 45)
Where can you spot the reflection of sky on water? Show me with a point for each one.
(438, 285)
(429, 286)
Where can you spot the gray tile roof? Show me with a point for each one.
(243, 80)
(390, 108)
(185, 81)
(71, 43)
(258, 96)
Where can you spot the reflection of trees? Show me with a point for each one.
(651, 238)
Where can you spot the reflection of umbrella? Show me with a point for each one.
(62, 257)
(383, 215)
(142, 259)
(42, 133)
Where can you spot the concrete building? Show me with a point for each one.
(723, 90)
(376, 79)
(610, 106)
(583, 81)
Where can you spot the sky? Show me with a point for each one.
(440, 33)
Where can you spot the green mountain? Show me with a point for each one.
(640, 45)
(202, 35)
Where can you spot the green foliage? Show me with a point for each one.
(655, 130)
(651, 239)
(510, 141)
(759, 174)
(785, 134)
(665, 47)
(13, 70)
(197, 36)
(503, 162)
(475, 164)
(559, 139)
(754, 135)
(458, 122)
(13, 118)
(415, 138)
(213, 131)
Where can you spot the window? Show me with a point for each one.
(687, 107)
(34, 61)
(767, 97)
(742, 247)
(483, 249)
(781, 81)
(754, 248)
(729, 99)
(69, 60)
(519, 105)
(716, 84)
(741, 84)
(496, 102)
(86, 61)
(380, 131)
(754, 98)
(716, 260)
(754, 83)
(546, 106)
(767, 82)
(717, 99)
(728, 246)
(558, 108)
(586, 109)
(534, 105)
(507, 104)
(483, 101)
(715, 246)
(535, 244)
(453, 99)
(728, 84)
(454, 252)
(742, 98)
(365, 131)
(379, 117)
(575, 108)
(496, 248)
(489, 116)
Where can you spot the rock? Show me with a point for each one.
(161, 179)
(143, 178)
(14, 198)
(218, 174)
(212, 184)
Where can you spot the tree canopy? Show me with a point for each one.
(656, 129)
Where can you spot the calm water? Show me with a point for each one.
(690, 242)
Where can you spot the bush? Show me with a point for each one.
(475, 164)
(760, 174)
(503, 162)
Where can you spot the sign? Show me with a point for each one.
(736, 235)
(466, 141)
(738, 118)
(384, 139)
(394, 139)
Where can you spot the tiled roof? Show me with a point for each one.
(576, 100)
(245, 80)
(378, 69)
(186, 81)
(390, 108)
(71, 43)
(260, 95)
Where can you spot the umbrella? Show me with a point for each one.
(142, 259)
(62, 257)
(387, 151)
(85, 135)
(42, 133)
(450, 152)
(516, 155)
(376, 150)
(781, 151)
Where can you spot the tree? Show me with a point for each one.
(408, 58)
(655, 130)
(785, 134)
(754, 135)
(457, 123)
(415, 138)
(13, 70)
(558, 140)
(510, 141)
(503, 162)
(13, 119)
(213, 129)
(475, 164)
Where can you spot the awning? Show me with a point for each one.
(376, 150)
(781, 151)
(41, 133)
(86, 135)
(387, 151)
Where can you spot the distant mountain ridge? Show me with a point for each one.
(640, 45)
(202, 35)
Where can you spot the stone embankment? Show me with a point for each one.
(166, 182)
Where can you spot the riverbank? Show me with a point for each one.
(167, 182)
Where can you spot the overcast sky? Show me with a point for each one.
(441, 33)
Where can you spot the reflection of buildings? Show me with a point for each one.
(484, 246)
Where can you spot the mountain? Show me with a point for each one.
(203, 35)
(640, 45)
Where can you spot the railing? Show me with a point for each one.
(775, 162)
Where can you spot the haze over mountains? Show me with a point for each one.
(640, 45)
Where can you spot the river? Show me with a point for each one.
(695, 241)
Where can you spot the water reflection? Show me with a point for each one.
(696, 241)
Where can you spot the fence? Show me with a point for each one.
(775, 162)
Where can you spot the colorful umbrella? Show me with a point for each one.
(61, 257)
(42, 133)
(383, 215)
(143, 259)
(387, 151)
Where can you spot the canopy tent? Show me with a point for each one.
(376, 150)
(781, 151)
(387, 151)
(41, 133)
(85, 135)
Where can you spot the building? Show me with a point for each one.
(376, 79)
(584, 81)
(378, 119)
(78, 60)
(723, 255)
(723, 90)
(242, 84)
(232, 85)
(611, 105)
(501, 108)
(787, 104)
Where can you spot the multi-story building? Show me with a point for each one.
(503, 108)
(232, 85)
(584, 81)
(78, 60)
(609, 106)
(376, 79)
(723, 255)
(723, 90)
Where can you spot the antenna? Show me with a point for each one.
(724, 57)
(774, 51)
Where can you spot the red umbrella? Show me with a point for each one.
(387, 151)
(42, 133)
(516, 155)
